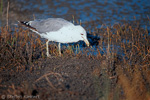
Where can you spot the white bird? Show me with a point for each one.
(58, 30)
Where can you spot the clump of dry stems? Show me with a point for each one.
(130, 67)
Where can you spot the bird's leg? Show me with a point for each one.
(47, 50)
(59, 49)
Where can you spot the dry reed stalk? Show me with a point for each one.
(7, 14)
(139, 84)
(134, 88)
(128, 90)
(33, 17)
(80, 22)
(46, 77)
(73, 18)
(50, 84)
(1, 7)
(99, 54)
(108, 48)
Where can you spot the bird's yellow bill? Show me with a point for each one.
(87, 42)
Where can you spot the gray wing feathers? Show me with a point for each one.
(49, 25)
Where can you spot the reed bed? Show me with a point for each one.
(124, 71)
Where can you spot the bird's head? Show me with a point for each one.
(83, 34)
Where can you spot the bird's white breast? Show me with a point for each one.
(65, 35)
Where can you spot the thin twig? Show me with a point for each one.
(46, 77)
(50, 83)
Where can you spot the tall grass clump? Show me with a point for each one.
(126, 64)
(133, 68)
(19, 47)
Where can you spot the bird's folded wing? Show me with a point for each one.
(49, 25)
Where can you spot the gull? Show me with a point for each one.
(58, 30)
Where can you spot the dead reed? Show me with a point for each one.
(19, 47)
(124, 51)
(131, 68)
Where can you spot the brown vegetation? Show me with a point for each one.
(113, 74)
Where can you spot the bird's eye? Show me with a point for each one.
(81, 33)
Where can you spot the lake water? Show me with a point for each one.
(91, 13)
(98, 12)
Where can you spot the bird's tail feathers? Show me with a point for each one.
(27, 24)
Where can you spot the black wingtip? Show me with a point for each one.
(26, 24)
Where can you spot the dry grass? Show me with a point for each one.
(134, 84)
(18, 48)
(130, 69)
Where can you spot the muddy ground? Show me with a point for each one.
(72, 78)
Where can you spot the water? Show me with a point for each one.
(91, 13)
(106, 12)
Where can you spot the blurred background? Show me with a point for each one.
(92, 13)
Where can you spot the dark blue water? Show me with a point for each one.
(91, 13)
(106, 12)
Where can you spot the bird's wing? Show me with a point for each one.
(49, 25)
